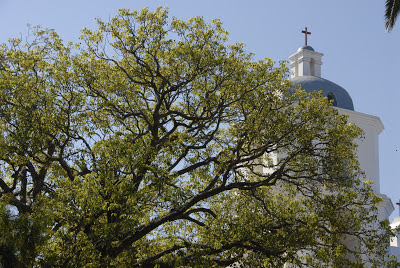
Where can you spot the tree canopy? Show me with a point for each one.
(157, 143)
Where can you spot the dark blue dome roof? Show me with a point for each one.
(329, 89)
(306, 48)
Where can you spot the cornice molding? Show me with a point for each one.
(371, 120)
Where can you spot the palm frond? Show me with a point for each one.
(391, 12)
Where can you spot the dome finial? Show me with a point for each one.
(305, 34)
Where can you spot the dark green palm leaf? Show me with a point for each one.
(392, 10)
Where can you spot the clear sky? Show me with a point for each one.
(359, 55)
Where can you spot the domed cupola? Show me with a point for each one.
(305, 67)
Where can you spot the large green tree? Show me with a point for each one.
(154, 142)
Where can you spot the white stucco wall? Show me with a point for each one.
(368, 147)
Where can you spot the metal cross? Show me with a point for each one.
(399, 206)
(305, 33)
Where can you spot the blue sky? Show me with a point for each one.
(359, 55)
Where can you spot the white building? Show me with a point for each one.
(305, 66)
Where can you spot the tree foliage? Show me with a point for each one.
(391, 12)
(157, 143)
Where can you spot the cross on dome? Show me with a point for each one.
(305, 34)
(398, 203)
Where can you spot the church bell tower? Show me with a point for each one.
(305, 66)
